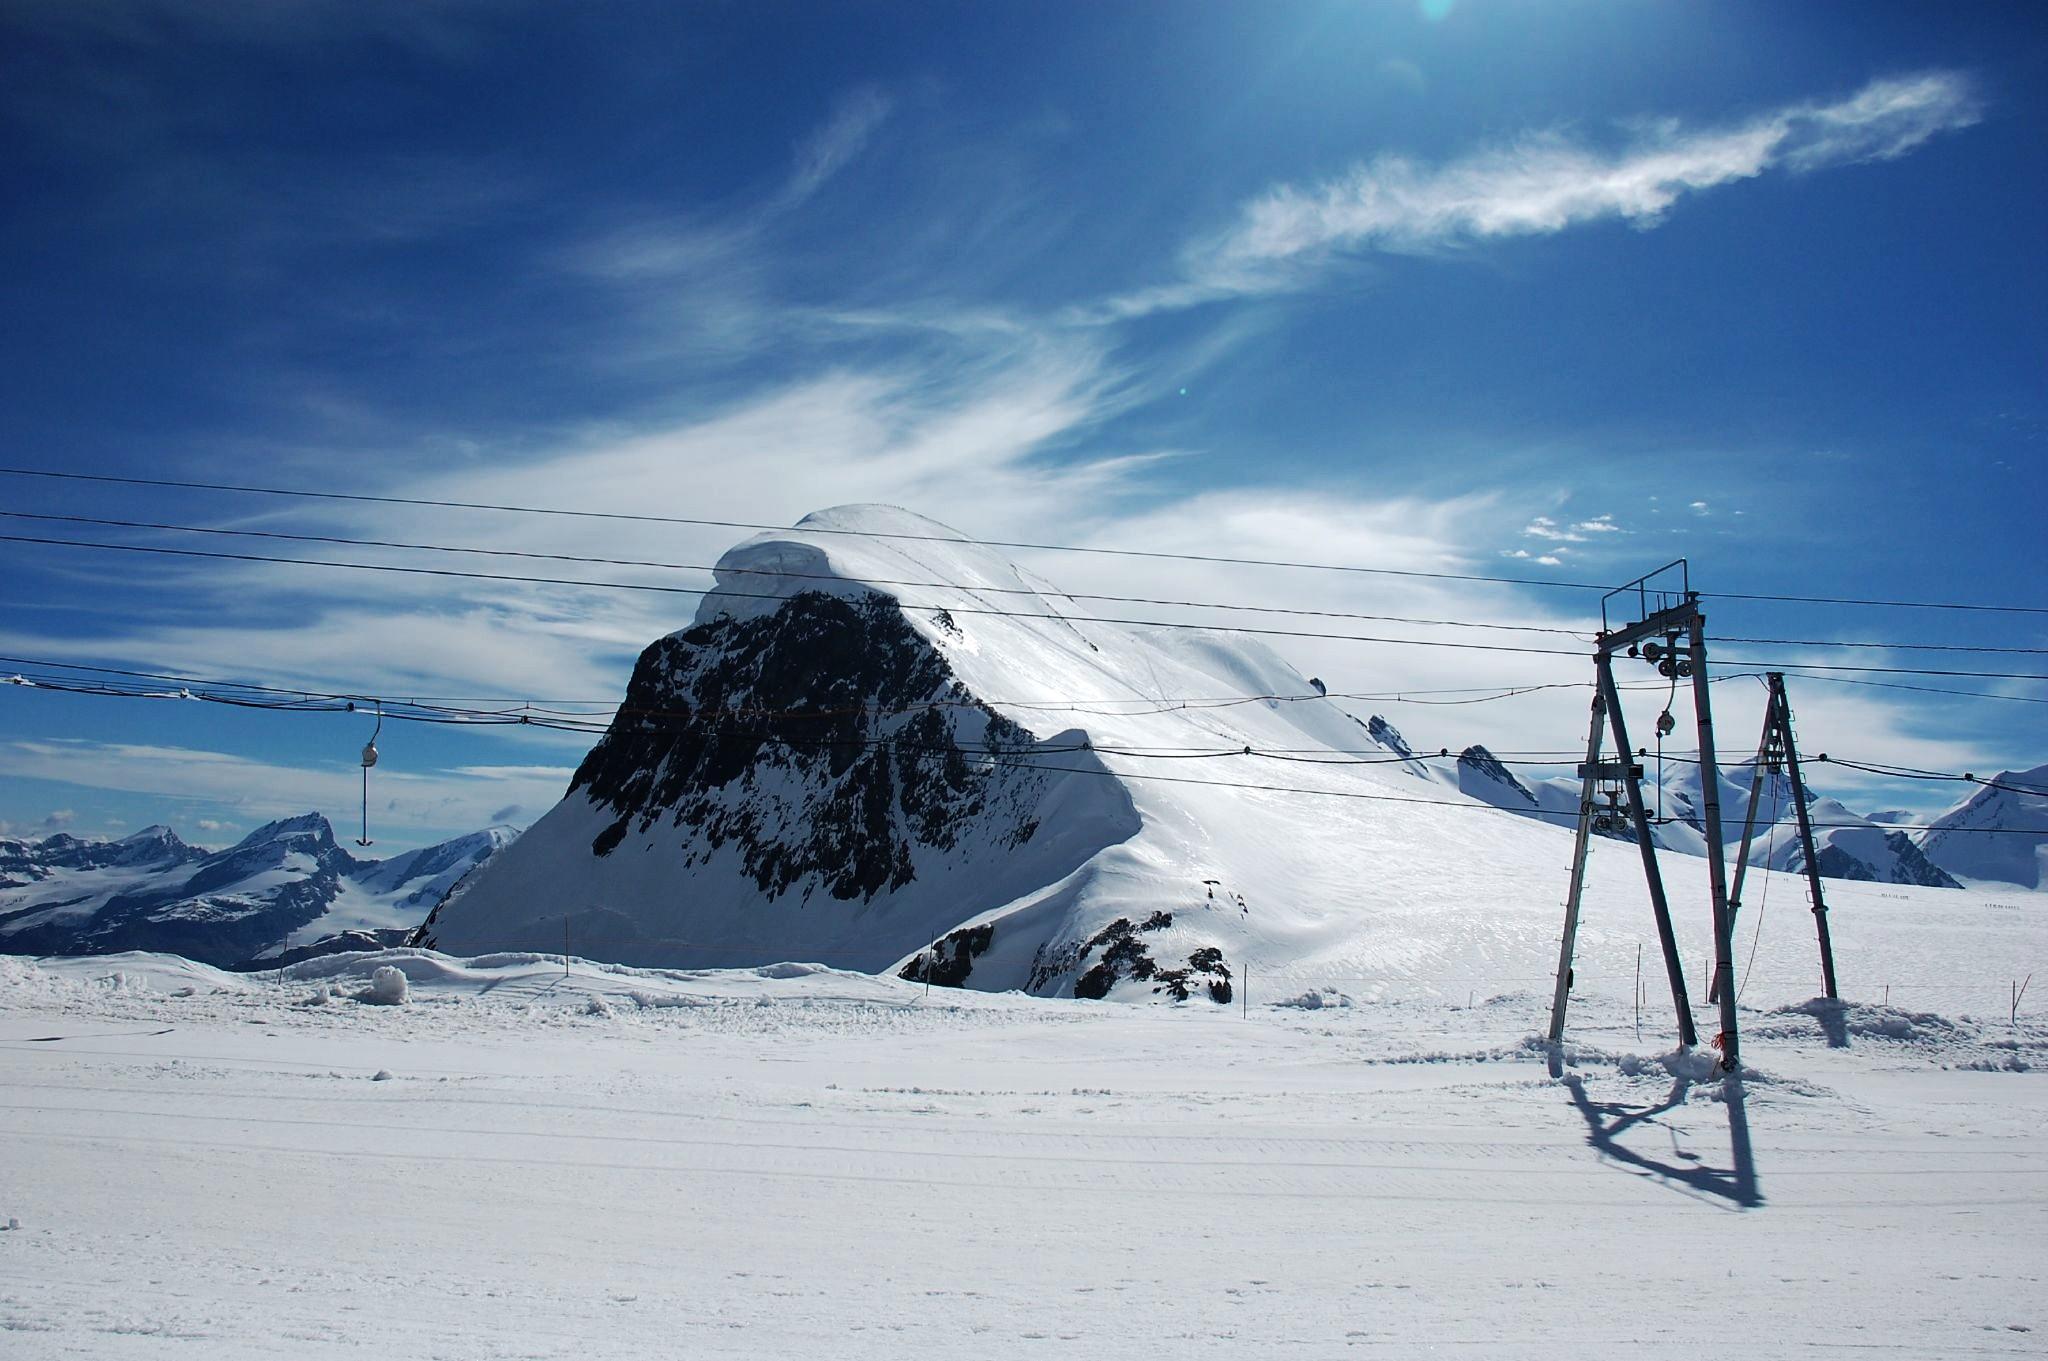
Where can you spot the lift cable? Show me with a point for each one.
(446, 504)
(1184, 625)
(1010, 757)
(336, 540)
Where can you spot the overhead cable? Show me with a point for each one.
(449, 504)
(990, 754)
(1185, 625)
(972, 590)
(783, 573)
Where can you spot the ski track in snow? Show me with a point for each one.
(756, 1163)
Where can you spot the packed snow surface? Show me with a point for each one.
(557, 1159)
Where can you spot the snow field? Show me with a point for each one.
(752, 1163)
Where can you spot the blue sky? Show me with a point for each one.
(1563, 289)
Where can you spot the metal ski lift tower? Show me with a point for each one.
(1656, 618)
(1779, 751)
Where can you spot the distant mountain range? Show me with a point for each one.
(1848, 845)
(284, 892)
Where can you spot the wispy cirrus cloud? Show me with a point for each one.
(987, 416)
(831, 147)
(691, 287)
(1542, 184)
(666, 246)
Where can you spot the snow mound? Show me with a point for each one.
(1869, 1020)
(388, 987)
(1315, 1000)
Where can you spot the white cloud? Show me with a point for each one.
(978, 432)
(959, 441)
(718, 254)
(264, 790)
(59, 817)
(887, 446)
(558, 775)
(1541, 184)
(1700, 507)
(828, 150)
(1543, 527)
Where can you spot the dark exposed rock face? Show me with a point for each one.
(1477, 763)
(812, 782)
(835, 704)
(1911, 867)
(950, 961)
(1122, 951)
(1388, 736)
(342, 942)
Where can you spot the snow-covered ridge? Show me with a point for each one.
(2017, 852)
(287, 888)
(755, 577)
(1848, 845)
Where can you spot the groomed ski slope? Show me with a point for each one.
(533, 1160)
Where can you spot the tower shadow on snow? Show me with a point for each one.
(1608, 1122)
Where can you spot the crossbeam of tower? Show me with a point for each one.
(1662, 624)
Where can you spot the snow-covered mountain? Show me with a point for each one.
(968, 782)
(820, 769)
(1848, 845)
(2008, 803)
(840, 761)
(284, 891)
